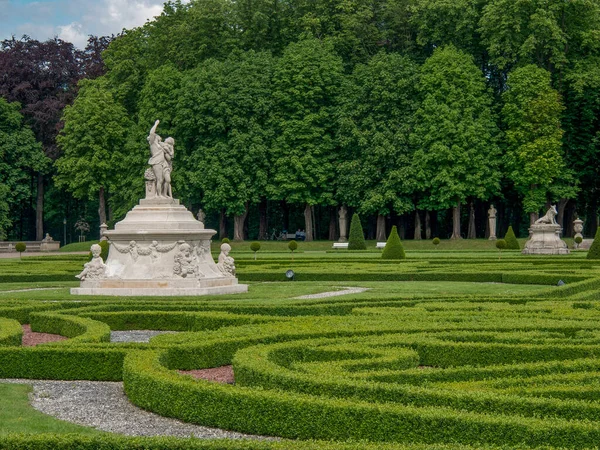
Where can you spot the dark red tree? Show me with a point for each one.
(42, 77)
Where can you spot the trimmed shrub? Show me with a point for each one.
(255, 246)
(225, 240)
(578, 240)
(501, 244)
(104, 253)
(293, 246)
(356, 240)
(511, 240)
(594, 251)
(436, 241)
(393, 247)
(20, 247)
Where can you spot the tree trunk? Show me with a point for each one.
(286, 215)
(263, 224)
(101, 206)
(308, 222)
(39, 209)
(561, 211)
(238, 224)
(456, 221)
(471, 232)
(533, 216)
(418, 230)
(222, 224)
(332, 223)
(427, 225)
(402, 227)
(380, 234)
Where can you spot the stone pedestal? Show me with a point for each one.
(160, 249)
(544, 239)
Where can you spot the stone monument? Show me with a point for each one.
(48, 244)
(343, 222)
(544, 236)
(159, 248)
(492, 220)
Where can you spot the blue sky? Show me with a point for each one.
(73, 20)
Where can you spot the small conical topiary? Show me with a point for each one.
(511, 240)
(594, 251)
(393, 247)
(356, 240)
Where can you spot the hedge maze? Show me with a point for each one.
(382, 372)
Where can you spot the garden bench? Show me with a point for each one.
(381, 245)
(340, 245)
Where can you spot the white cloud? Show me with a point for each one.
(74, 20)
(73, 33)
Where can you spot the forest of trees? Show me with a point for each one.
(415, 113)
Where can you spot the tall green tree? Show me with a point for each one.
(532, 114)
(548, 33)
(21, 157)
(455, 135)
(223, 120)
(93, 141)
(307, 82)
(377, 109)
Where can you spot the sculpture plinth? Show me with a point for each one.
(159, 249)
(544, 236)
(544, 239)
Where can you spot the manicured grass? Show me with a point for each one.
(17, 416)
(78, 246)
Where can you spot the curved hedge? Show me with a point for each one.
(512, 371)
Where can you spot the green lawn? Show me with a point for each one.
(17, 416)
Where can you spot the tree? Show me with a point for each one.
(455, 136)
(531, 114)
(306, 85)
(356, 239)
(42, 77)
(511, 240)
(21, 157)
(376, 115)
(92, 140)
(547, 33)
(393, 247)
(223, 120)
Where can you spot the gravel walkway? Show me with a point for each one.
(345, 291)
(104, 406)
(136, 335)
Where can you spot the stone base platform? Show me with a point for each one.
(544, 239)
(160, 288)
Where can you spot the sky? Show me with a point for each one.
(73, 20)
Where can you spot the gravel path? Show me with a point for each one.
(104, 406)
(136, 335)
(345, 291)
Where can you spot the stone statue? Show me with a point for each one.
(95, 269)
(343, 222)
(549, 217)
(161, 160)
(226, 263)
(492, 219)
(201, 215)
(578, 229)
(185, 263)
(48, 238)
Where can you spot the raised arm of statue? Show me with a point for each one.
(152, 135)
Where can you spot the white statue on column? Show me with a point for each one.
(492, 220)
(161, 160)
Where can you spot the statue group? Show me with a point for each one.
(161, 160)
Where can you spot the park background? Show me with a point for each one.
(402, 110)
